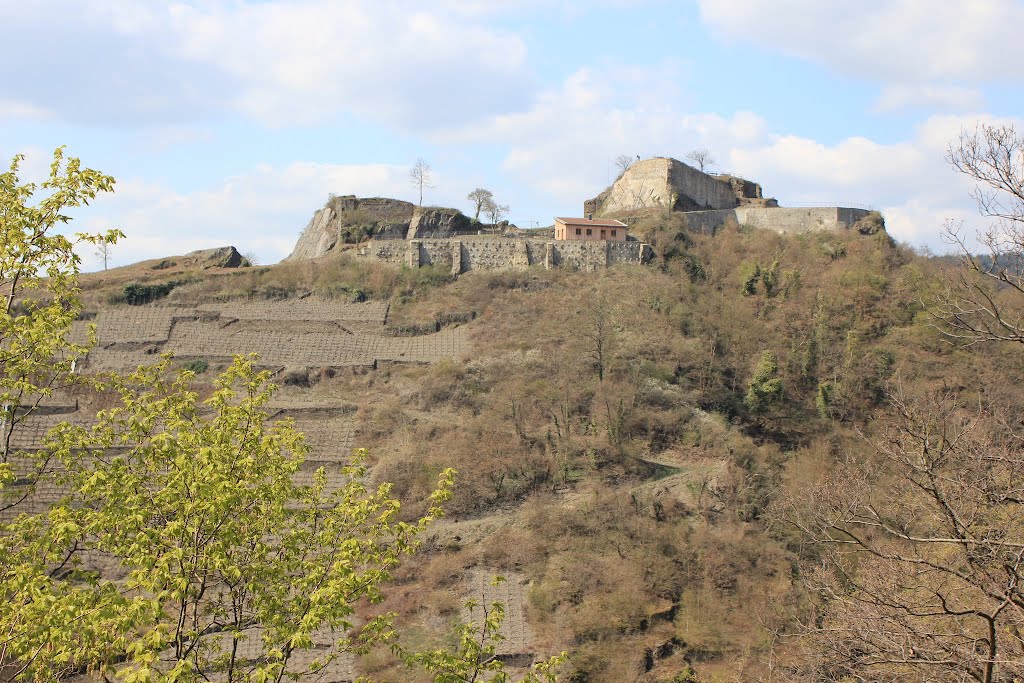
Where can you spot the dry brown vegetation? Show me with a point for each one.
(605, 444)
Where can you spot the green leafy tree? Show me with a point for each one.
(216, 563)
(765, 389)
(474, 655)
(182, 549)
(39, 296)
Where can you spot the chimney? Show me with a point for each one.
(590, 216)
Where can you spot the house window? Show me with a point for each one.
(613, 233)
(602, 234)
(578, 231)
(589, 231)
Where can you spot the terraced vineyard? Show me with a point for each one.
(309, 333)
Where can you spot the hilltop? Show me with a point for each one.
(748, 455)
(611, 463)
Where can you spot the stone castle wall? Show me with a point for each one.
(667, 183)
(463, 254)
(787, 220)
(698, 189)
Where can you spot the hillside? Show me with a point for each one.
(632, 445)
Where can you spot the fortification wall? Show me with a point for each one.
(645, 184)
(628, 252)
(387, 251)
(668, 183)
(789, 220)
(497, 254)
(581, 255)
(707, 222)
(799, 220)
(702, 190)
(484, 253)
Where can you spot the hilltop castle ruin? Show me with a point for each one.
(708, 201)
(404, 234)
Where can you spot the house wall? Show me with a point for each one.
(568, 232)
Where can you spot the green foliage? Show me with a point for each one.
(765, 389)
(474, 656)
(39, 293)
(771, 278)
(871, 224)
(194, 504)
(356, 226)
(198, 366)
(832, 249)
(825, 398)
(751, 275)
(687, 675)
(136, 294)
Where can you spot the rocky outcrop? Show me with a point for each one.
(218, 257)
(664, 183)
(222, 257)
(433, 220)
(317, 238)
(348, 219)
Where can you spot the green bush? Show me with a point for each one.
(136, 294)
(198, 366)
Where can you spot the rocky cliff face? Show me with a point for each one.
(349, 219)
(434, 220)
(665, 183)
(218, 257)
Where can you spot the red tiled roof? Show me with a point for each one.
(599, 222)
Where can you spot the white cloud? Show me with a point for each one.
(281, 63)
(919, 223)
(261, 211)
(889, 41)
(897, 97)
(829, 174)
(14, 109)
(910, 181)
(564, 143)
(158, 139)
(34, 168)
(561, 146)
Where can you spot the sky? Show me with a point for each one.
(232, 121)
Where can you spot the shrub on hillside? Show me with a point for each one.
(136, 294)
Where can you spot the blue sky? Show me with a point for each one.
(230, 121)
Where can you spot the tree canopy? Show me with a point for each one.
(184, 544)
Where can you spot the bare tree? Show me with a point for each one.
(421, 177)
(480, 198)
(921, 573)
(623, 162)
(701, 157)
(104, 250)
(598, 330)
(922, 547)
(983, 299)
(495, 211)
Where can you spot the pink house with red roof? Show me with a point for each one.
(590, 229)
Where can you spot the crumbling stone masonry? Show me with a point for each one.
(502, 253)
